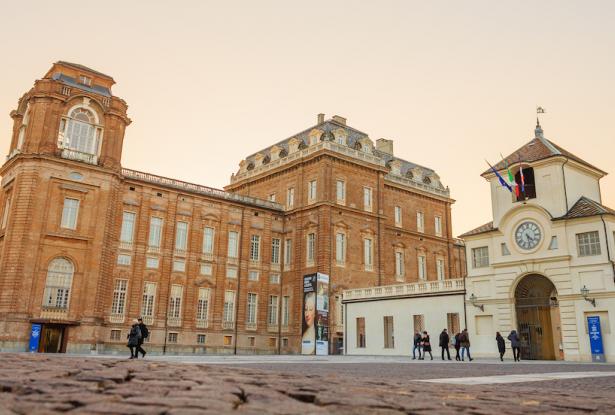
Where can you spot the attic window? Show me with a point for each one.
(250, 166)
(85, 80)
(283, 153)
(267, 159)
(427, 180)
(409, 174)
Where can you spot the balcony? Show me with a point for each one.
(202, 324)
(180, 252)
(54, 313)
(148, 320)
(232, 261)
(411, 289)
(205, 256)
(153, 249)
(228, 325)
(272, 328)
(275, 267)
(250, 326)
(117, 318)
(174, 321)
(126, 246)
(79, 156)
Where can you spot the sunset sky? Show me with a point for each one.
(452, 82)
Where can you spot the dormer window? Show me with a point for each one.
(84, 80)
(524, 180)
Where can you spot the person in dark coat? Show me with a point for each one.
(444, 341)
(426, 345)
(501, 345)
(144, 335)
(133, 339)
(457, 346)
(464, 339)
(515, 344)
(417, 345)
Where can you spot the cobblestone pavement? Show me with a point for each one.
(41, 384)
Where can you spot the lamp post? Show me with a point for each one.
(473, 302)
(585, 293)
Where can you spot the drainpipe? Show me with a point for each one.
(608, 251)
(564, 178)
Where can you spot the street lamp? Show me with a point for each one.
(585, 293)
(473, 302)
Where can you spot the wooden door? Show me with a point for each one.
(52, 339)
(535, 332)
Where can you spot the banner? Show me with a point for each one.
(595, 339)
(315, 327)
(322, 314)
(35, 337)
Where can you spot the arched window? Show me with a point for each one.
(80, 132)
(57, 287)
(524, 179)
(22, 130)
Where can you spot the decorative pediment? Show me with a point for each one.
(367, 231)
(274, 152)
(314, 136)
(341, 225)
(366, 145)
(341, 136)
(258, 159)
(293, 144)
(395, 166)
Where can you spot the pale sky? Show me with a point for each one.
(452, 82)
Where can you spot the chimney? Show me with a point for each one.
(384, 145)
(320, 118)
(339, 120)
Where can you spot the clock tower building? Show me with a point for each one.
(545, 262)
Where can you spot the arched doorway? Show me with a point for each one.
(538, 318)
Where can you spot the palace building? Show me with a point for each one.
(87, 245)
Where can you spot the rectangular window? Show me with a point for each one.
(128, 227)
(208, 240)
(367, 199)
(272, 319)
(418, 321)
(233, 239)
(553, 243)
(119, 297)
(272, 342)
(70, 213)
(228, 341)
(285, 310)
(275, 250)
(85, 80)
(340, 191)
(116, 335)
(5, 212)
(274, 278)
(399, 264)
(440, 268)
(505, 250)
(360, 332)
(398, 216)
(452, 323)
(480, 257)
(284, 341)
(588, 243)
(172, 338)
(272, 197)
(253, 275)
(151, 262)
(202, 306)
(312, 190)
(123, 259)
(200, 338)
(438, 225)
(149, 297)
(252, 304)
(311, 247)
(368, 254)
(389, 338)
(255, 248)
(340, 248)
(420, 221)
(290, 197)
(251, 341)
(155, 232)
(181, 236)
(288, 251)
(228, 313)
(206, 269)
(175, 302)
(422, 264)
(231, 272)
(179, 265)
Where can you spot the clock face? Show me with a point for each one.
(528, 235)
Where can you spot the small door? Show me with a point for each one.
(52, 339)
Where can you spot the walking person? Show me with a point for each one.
(133, 339)
(457, 344)
(501, 345)
(464, 339)
(426, 345)
(444, 341)
(515, 344)
(144, 335)
(417, 345)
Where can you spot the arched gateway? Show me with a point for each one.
(538, 318)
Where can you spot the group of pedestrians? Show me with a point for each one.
(137, 335)
(461, 342)
(515, 344)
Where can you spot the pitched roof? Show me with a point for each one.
(585, 207)
(539, 148)
(487, 227)
(83, 68)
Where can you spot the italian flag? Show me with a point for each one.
(511, 178)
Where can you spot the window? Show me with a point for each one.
(119, 297)
(172, 338)
(290, 197)
(233, 239)
(368, 255)
(285, 310)
(208, 240)
(253, 275)
(58, 284)
(288, 251)
(155, 232)
(123, 259)
(452, 323)
(588, 243)
(251, 341)
(79, 132)
(284, 341)
(440, 268)
(181, 236)
(228, 340)
(480, 257)
(360, 332)
(311, 246)
(206, 269)
(422, 265)
(420, 221)
(179, 265)
(418, 321)
(399, 265)
(116, 335)
(527, 186)
(5, 212)
(175, 302)
(505, 250)
(151, 262)
(398, 216)
(149, 296)
(85, 80)
(272, 342)
(340, 191)
(255, 248)
(202, 306)
(272, 197)
(69, 213)
(128, 227)
(252, 304)
(389, 338)
(275, 250)
(312, 190)
(228, 313)
(231, 272)
(340, 248)
(367, 199)
(274, 278)
(553, 243)
(272, 318)
(438, 225)
(200, 338)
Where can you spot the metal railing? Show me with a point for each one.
(79, 156)
(415, 288)
(417, 185)
(116, 318)
(202, 324)
(228, 325)
(174, 321)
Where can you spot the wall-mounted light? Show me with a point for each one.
(473, 302)
(585, 293)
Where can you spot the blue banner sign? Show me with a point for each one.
(595, 339)
(35, 337)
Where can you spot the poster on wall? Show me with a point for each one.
(308, 331)
(595, 339)
(322, 314)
